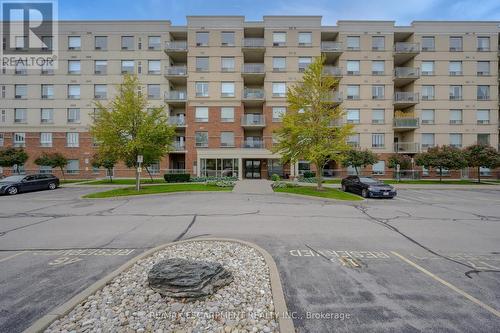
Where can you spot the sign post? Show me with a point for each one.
(398, 175)
(140, 159)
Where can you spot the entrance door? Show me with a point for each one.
(252, 169)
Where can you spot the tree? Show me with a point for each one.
(404, 161)
(54, 160)
(308, 129)
(13, 158)
(128, 128)
(359, 159)
(481, 156)
(444, 157)
(107, 161)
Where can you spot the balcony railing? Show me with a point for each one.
(332, 70)
(406, 73)
(405, 97)
(176, 70)
(404, 47)
(253, 120)
(253, 69)
(178, 146)
(334, 97)
(406, 147)
(253, 143)
(177, 45)
(329, 46)
(253, 42)
(177, 120)
(176, 95)
(406, 123)
(253, 93)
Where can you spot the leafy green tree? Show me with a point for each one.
(54, 160)
(404, 161)
(478, 156)
(106, 161)
(359, 159)
(12, 157)
(444, 157)
(128, 128)
(308, 131)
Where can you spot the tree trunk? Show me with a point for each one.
(319, 178)
(62, 173)
(356, 168)
(440, 174)
(110, 175)
(479, 174)
(137, 180)
(149, 173)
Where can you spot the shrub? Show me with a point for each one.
(177, 177)
(220, 183)
(205, 179)
(311, 180)
(280, 184)
(275, 177)
(309, 174)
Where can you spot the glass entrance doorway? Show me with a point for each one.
(252, 169)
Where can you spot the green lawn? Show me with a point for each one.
(332, 181)
(130, 181)
(71, 181)
(434, 181)
(120, 192)
(330, 193)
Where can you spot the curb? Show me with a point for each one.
(317, 198)
(149, 194)
(285, 322)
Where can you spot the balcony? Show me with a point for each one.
(405, 75)
(179, 121)
(176, 49)
(329, 47)
(253, 48)
(332, 71)
(253, 73)
(406, 147)
(403, 124)
(176, 97)
(176, 74)
(335, 97)
(403, 99)
(178, 146)
(253, 95)
(253, 143)
(404, 51)
(253, 121)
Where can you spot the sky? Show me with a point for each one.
(401, 11)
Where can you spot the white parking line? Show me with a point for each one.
(10, 257)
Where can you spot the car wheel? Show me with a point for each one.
(12, 190)
(52, 186)
(344, 188)
(365, 193)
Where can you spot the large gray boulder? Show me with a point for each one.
(182, 278)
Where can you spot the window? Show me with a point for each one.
(279, 89)
(127, 42)
(73, 167)
(378, 67)
(483, 43)
(304, 62)
(227, 114)
(47, 91)
(19, 139)
(201, 114)
(1, 140)
(483, 68)
(21, 69)
(305, 38)
(20, 116)
(47, 43)
(378, 116)
(455, 68)
(73, 115)
(279, 38)
(353, 140)
(353, 116)
(427, 68)
(378, 43)
(201, 139)
(483, 93)
(353, 43)
(483, 139)
(378, 140)
(153, 91)
(427, 93)
(101, 43)
(427, 116)
(227, 139)
(378, 168)
(227, 38)
(74, 43)
(378, 92)
(227, 89)
(46, 116)
(73, 91)
(353, 67)
(100, 91)
(202, 38)
(2, 116)
(74, 67)
(278, 113)
(72, 139)
(46, 139)
(154, 67)
(202, 64)
(427, 140)
(428, 43)
(456, 140)
(227, 64)
(455, 117)
(128, 66)
(353, 92)
(21, 91)
(455, 44)
(101, 67)
(20, 42)
(47, 69)
(455, 93)
(279, 64)
(484, 172)
(201, 89)
(154, 43)
(483, 117)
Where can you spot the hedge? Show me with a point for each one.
(177, 177)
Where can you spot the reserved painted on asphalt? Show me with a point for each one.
(339, 254)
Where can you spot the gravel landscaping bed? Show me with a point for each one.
(128, 304)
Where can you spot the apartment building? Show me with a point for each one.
(223, 81)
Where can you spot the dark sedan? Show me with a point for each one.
(368, 187)
(25, 183)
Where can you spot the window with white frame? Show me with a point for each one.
(279, 64)
(1, 139)
(427, 93)
(73, 115)
(427, 68)
(21, 68)
(46, 139)
(201, 89)
(456, 44)
(19, 139)
(483, 68)
(456, 116)
(154, 168)
(378, 116)
(427, 140)
(353, 92)
(483, 93)
(305, 38)
(353, 140)
(227, 64)
(483, 116)
(72, 139)
(427, 116)
(483, 138)
(352, 67)
(21, 116)
(201, 139)
(378, 67)
(455, 68)
(483, 43)
(456, 140)
(227, 89)
(46, 115)
(101, 67)
(353, 116)
(279, 38)
(227, 38)
(227, 139)
(154, 91)
(278, 113)
(100, 91)
(73, 167)
(353, 43)
(304, 62)
(127, 42)
(483, 171)
(378, 92)
(428, 43)
(154, 42)
(202, 38)
(201, 114)
(279, 89)
(74, 67)
(74, 43)
(378, 43)
(128, 66)
(21, 91)
(101, 43)
(378, 140)
(378, 168)
(202, 64)
(73, 91)
(227, 114)
(47, 91)
(154, 67)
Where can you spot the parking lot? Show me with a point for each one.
(428, 260)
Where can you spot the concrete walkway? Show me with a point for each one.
(253, 186)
